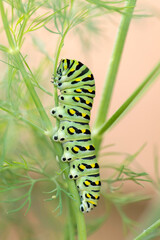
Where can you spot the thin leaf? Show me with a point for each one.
(130, 101)
(19, 208)
(4, 49)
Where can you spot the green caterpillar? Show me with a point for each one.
(77, 90)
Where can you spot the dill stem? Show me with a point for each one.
(75, 202)
(6, 26)
(115, 117)
(79, 216)
(59, 49)
(113, 70)
(21, 32)
(16, 57)
(60, 45)
(148, 231)
(46, 123)
(70, 221)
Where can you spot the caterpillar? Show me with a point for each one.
(77, 90)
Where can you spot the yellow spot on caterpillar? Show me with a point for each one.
(87, 183)
(96, 197)
(78, 90)
(83, 130)
(82, 166)
(72, 130)
(65, 64)
(90, 90)
(91, 202)
(76, 149)
(87, 102)
(77, 98)
(72, 69)
(96, 182)
(89, 75)
(83, 114)
(78, 80)
(88, 195)
(93, 165)
(72, 111)
(87, 147)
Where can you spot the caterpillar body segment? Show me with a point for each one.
(77, 149)
(79, 168)
(70, 131)
(77, 90)
(83, 101)
(74, 84)
(89, 183)
(66, 112)
(82, 90)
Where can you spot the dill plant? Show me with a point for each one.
(28, 154)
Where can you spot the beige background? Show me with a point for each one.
(142, 124)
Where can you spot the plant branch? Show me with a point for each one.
(46, 123)
(6, 26)
(70, 221)
(60, 45)
(75, 202)
(79, 216)
(113, 68)
(130, 101)
(148, 231)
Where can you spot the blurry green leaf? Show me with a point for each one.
(108, 5)
(4, 49)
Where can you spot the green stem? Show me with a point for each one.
(6, 26)
(60, 45)
(115, 117)
(17, 58)
(113, 67)
(21, 118)
(70, 222)
(148, 231)
(79, 216)
(75, 202)
(21, 31)
(46, 123)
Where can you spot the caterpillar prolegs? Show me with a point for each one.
(77, 90)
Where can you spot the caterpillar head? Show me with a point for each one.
(62, 68)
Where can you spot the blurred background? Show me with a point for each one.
(140, 126)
